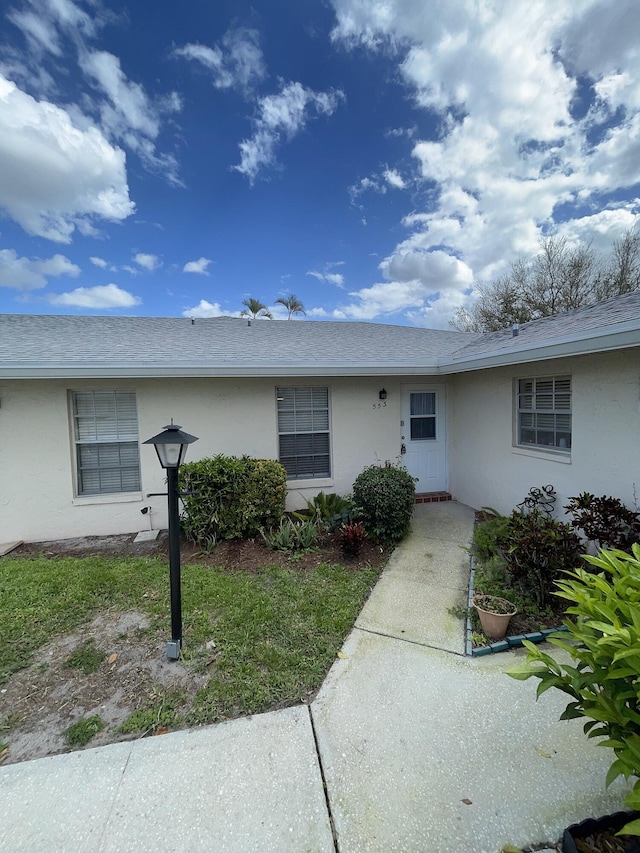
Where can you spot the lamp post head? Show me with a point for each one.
(171, 445)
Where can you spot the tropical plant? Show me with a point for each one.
(605, 521)
(537, 549)
(604, 645)
(292, 304)
(352, 537)
(332, 509)
(384, 497)
(255, 309)
(292, 536)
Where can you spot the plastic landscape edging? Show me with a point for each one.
(512, 642)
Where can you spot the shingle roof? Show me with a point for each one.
(34, 345)
(220, 344)
(580, 323)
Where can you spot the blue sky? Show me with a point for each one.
(378, 158)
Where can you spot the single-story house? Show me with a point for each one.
(481, 418)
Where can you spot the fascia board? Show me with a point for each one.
(194, 372)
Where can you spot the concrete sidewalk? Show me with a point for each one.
(409, 746)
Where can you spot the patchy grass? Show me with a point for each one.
(80, 733)
(264, 638)
(86, 657)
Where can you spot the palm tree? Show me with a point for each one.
(255, 309)
(292, 304)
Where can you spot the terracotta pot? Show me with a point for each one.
(494, 625)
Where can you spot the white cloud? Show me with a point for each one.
(147, 262)
(238, 63)
(205, 309)
(53, 175)
(99, 262)
(281, 115)
(330, 277)
(27, 274)
(512, 156)
(101, 296)
(422, 281)
(199, 266)
(394, 179)
(128, 114)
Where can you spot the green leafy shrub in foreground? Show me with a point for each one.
(385, 498)
(604, 682)
(232, 497)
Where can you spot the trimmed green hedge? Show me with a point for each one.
(384, 498)
(233, 497)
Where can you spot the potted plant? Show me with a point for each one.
(603, 678)
(495, 614)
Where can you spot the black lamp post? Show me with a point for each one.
(171, 447)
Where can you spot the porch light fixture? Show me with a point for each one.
(171, 447)
(382, 394)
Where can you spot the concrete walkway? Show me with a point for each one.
(408, 747)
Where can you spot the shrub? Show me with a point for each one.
(231, 498)
(384, 498)
(332, 509)
(605, 521)
(486, 534)
(604, 645)
(352, 537)
(292, 536)
(537, 549)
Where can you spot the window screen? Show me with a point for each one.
(544, 412)
(106, 439)
(303, 432)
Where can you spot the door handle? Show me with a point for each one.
(403, 448)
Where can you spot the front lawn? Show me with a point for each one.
(253, 640)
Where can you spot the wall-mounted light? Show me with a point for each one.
(382, 394)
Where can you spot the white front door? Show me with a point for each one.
(423, 436)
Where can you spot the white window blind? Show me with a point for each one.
(544, 412)
(303, 432)
(106, 438)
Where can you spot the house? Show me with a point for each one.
(479, 417)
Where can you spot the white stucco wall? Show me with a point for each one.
(486, 469)
(229, 416)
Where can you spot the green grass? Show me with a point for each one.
(86, 657)
(80, 733)
(276, 632)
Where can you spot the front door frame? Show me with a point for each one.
(440, 482)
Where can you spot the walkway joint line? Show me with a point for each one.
(412, 642)
(325, 787)
(102, 841)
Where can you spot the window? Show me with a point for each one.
(303, 432)
(423, 416)
(106, 437)
(544, 412)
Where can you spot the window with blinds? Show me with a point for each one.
(303, 432)
(544, 412)
(106, 437)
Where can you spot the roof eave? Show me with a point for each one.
(602, 340)
(109, 371)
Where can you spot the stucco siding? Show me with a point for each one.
(230, 416)
(486, 469)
